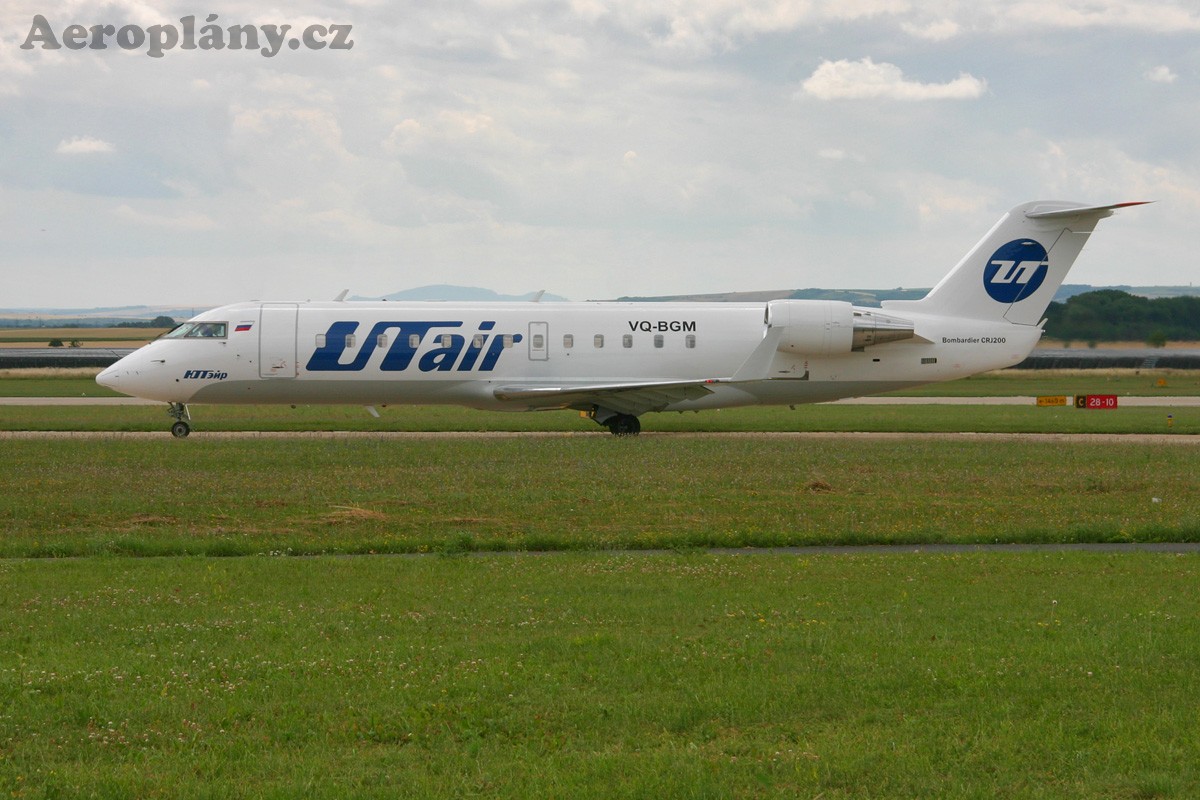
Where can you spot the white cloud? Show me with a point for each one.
(519, 143)
(1161, 74)
(943, 20)
(865, 80)
(700, 28)
(12, 66)
(188, 221)
(1095, 168)
(83, 145)
(1161, 17)
(938, 31)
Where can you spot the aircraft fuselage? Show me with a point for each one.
(393, 353)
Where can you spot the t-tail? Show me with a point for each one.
(1013, 273)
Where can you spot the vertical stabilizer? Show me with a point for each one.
(1015, 270)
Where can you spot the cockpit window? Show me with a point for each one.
(199, 330)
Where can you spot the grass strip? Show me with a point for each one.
(304, 496)
(1017, 675)
(1182, 420)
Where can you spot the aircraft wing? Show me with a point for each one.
(624, 398)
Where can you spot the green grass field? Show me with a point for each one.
(979, 675)
(145, 666)
(376, 495)
(1183, 421)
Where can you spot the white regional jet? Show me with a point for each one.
(617, 361)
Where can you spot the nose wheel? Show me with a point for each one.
(181, 426)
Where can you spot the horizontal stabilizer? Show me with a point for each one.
(1067, 213)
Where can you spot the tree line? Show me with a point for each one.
(1110, 315)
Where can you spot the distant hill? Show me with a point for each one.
(1068, 290)
(1113, 315)
(461, 294)
(861, 297)
(106, 317)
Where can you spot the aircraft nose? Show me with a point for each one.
(110, 378)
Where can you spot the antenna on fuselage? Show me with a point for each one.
(341, 296)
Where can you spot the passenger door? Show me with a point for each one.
(277, 340)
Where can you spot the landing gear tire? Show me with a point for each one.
(181, 428)
(624, 425)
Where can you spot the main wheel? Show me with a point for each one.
(180, 429)
(624, 425)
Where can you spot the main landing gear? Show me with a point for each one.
(181, 426)
(624, 425)
(618, 424)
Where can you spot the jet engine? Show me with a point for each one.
(832, 327)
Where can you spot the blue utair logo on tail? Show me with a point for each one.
(1015, 271)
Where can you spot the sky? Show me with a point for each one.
(590, 149)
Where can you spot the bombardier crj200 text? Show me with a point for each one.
(617, 361)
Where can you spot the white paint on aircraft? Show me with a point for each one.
(617, 361)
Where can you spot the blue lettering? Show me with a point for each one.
(477, 342)
(494, 351)
(442, 358)
(401, 353)
(326, 359)
(409, 338)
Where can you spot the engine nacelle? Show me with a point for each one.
(832, 327)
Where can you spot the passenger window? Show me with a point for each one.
(598, 341)
(508, 340)
(381, 341)
(477, 341)
(627, 340)
(320, 341)
(658, 340)
(568, 341)
(350, 340)
(444, 339)
(539, 341)
(414, 341)
(689, 341)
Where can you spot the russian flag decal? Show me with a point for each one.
(242, 326)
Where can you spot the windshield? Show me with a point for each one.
(198, 330)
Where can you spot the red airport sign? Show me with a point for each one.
(1095, 401)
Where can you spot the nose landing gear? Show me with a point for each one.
(181, 427)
